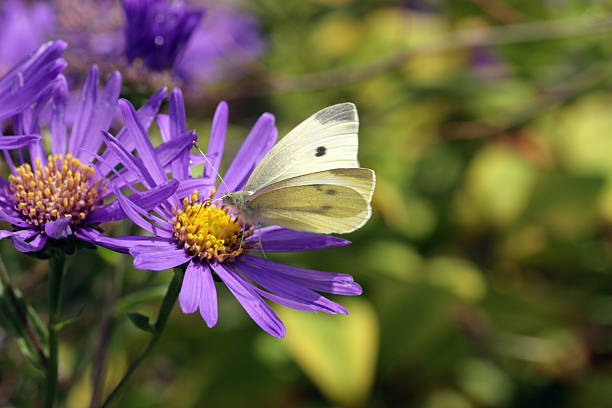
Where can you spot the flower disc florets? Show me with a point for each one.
(209, 231)
(63, 188)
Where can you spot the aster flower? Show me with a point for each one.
(189, 229)
(157, 31)
(60, 195)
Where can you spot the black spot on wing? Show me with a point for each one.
(331, 191)
(321, 150)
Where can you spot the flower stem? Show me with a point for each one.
(164, 312)
(56, 274)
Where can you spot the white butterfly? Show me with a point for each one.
(311, 180)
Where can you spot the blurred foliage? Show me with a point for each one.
(486, 264)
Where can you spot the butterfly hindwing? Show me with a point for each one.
(337, 201)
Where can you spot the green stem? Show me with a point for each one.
(56, 274)
(164, 312)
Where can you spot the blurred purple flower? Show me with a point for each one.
(93, 30)
(24, 27)
(157, 31)
(188, 229)
(161, 35)
(227, 40)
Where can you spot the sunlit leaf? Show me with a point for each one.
(457, 275)
(499, 182)
(337, 352)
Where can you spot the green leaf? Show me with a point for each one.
(16, 324)
(141, 321)
(69, 318)
(337, 352)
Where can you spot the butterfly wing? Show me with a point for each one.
(326, 140)
(333, 201)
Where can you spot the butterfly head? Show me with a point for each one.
(236, 199)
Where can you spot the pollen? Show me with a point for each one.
(210, 232)
(64, 188)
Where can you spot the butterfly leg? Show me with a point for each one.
(260, 244)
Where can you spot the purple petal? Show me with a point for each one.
(176, 152)
(22, 85)
(248, 154)
(208, 297)
(254, 305)
(279, 239)
(287, 302)
(289, 290)
(138, 216)
(143, 143)
(158, 258)
(163, 123)
(89, 95)
(197, 158)
(58, 118)
(186, 187)
(338, 283)
(44, 55)
(189, 297)
(132, 163)
(17, 142)
(146, 114)
(102, 116)
(178, 127)
(59, 229)
(147, 200)
(23, 242)
(13, 218)
(5, 234)
(217, 140)
(37, 151)
(118, 244)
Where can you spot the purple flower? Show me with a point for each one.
(188, 228)
(60, 195)
(157, 31)
(24, 27)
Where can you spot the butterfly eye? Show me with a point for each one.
(320, 151)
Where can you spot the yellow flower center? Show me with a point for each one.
(209, 231)
(64, 188)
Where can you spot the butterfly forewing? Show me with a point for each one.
(326, 140)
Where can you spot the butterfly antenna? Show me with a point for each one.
(195, 144)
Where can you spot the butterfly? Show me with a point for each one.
(311, 180)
